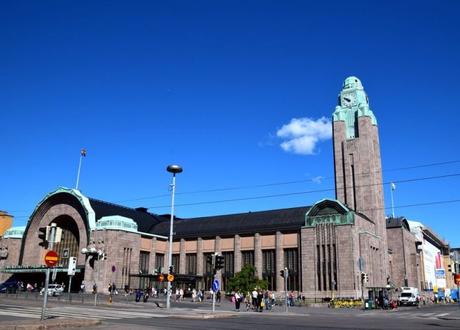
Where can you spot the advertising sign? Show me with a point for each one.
(440, 273)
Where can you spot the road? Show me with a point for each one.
(148, 316)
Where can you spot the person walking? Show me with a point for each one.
(237, 298)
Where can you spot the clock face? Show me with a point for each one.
(348, 100)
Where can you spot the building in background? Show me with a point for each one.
(6, 221)
(327, 247)
(404, 254)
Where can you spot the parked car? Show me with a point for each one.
(9, 286)
(53, 290)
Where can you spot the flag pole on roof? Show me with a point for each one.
(393, 188)
(82, 154)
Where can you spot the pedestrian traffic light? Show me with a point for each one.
(219, 262)
(449, 268)
(282, 272)
(171, 270)
(43, 233)
(104, 256)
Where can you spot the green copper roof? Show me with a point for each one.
(91, 215)
(14, 232)
(353, 103)
(117, 222)
(329, 211)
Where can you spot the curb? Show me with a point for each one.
(50, 324)
(204, 316)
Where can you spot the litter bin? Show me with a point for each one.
(369, 304)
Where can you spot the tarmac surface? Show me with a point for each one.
(23, 312)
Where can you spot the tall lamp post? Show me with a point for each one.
(174, 169)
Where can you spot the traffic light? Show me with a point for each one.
(171, 270)
(449, 268)
(72, 266)
(364, 277)
(282, 272)
(219, 262)
(210, 260)
(104, 256)
(43, 233)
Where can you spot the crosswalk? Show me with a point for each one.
(405, 315)
(33, 312)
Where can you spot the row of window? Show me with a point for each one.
(269, 271)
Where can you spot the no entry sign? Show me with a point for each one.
(51, 258)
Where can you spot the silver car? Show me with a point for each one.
(53, 290)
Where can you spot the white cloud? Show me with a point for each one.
(302, 135)
(318, 179)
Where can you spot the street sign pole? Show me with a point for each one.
(70, 284)
(215, 288)
(47, 279)
(286, 275)
(213, 301)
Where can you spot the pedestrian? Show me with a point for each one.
(247, 301)
(177, 297)
(218, 296)
(260, 301)
(266, 300)
(254, 299)
(138, 295)
(237, 298)
(193, 295)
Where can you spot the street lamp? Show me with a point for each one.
(174, 169)
(96, 254)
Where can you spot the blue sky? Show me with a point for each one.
(209, 85)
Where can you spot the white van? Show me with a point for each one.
(409, 296)
(53, 290)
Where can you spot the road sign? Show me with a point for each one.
(215, 285)
(161, 277)
(170, 277)
(53, 277)
(457, 279)
(51, 258)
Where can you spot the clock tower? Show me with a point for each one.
(357, 162)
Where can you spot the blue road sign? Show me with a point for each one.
(215, 285)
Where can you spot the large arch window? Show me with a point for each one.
(70, 239)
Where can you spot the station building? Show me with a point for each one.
(326, 246)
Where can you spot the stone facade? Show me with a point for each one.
(357, 165)
(404, 258)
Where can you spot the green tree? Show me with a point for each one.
(246, 280)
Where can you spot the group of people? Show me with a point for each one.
(257, 300)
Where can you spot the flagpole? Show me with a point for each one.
(82, 154)
(393, 187)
